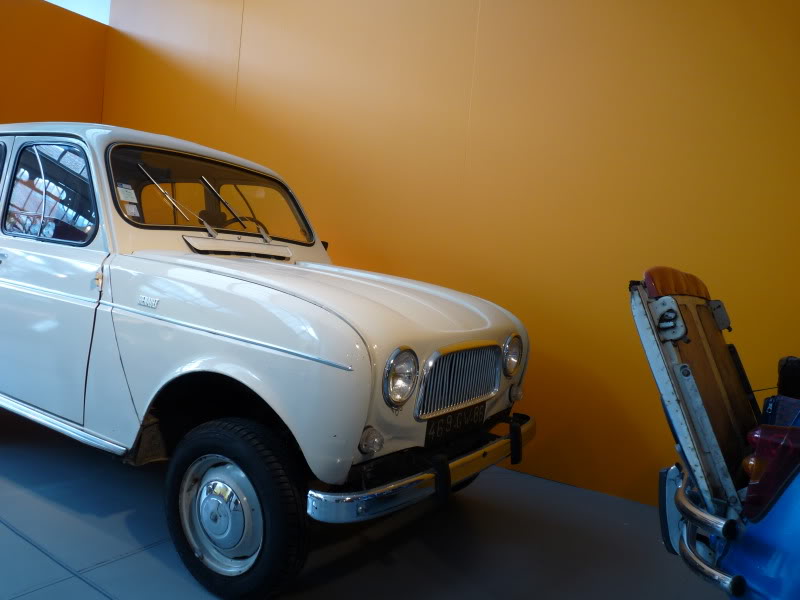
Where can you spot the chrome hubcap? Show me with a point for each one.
(221, 515)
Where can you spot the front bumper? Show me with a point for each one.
(349, 507)
(682, 526)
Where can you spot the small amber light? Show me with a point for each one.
(754, 468)
(749, 465)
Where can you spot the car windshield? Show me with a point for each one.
(241, 201)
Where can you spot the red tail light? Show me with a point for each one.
(775, 457)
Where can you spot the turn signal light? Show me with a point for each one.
(776, 455)
(371, 441)
(749, 465)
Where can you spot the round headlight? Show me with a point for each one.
(400, 377)
(512, 355)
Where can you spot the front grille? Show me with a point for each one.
(457, 380)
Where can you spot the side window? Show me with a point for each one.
(51, 197)
(2, 160)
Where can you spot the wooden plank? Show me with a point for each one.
(743, 420)
(697, 354)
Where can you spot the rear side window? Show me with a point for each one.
(2, 160)
(51, 197)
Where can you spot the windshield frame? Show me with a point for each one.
(296, 207)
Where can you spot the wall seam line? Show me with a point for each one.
(238, 59)
(105, 70)
(471, 92)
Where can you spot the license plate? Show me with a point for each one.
(449, 426)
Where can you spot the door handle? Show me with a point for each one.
(3, 256)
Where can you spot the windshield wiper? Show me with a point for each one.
(163, 191)
(264, 235)
(261, 229)
(169, 199)
(221, 199)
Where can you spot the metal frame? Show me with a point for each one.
(724, 528)
(217, 245)
(683, 403)
(699, 416)
(693, 519)
(672, 329)
(733, 585)
(668, 389)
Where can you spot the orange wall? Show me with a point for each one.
(54, 63)
(537, 153)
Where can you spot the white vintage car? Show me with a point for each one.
(163, 300)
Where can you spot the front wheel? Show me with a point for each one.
(235, 508)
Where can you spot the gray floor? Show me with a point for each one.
(76, 523)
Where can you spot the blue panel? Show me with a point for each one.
(767, 554)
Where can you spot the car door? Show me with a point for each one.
(50, 256)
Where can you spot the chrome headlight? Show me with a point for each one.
(512, 355)
(400, 377)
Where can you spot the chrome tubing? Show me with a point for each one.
(724, 528)
(733, 585)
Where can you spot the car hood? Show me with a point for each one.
(375, 305)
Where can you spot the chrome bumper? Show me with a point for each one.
(694, 518)
(344, 507)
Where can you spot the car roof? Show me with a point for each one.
(100, 136)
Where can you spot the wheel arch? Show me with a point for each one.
(193, 398)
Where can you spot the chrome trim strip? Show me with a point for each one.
(204, 245)
(59, 425)
(725, 528)
(236, 338)
(42, 291)
(349, 507)
(288, 292)
(734, 585)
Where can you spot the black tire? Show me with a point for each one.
(462, 484)
(275, 474)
